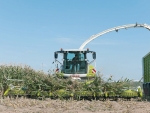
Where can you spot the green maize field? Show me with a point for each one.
(25, 81)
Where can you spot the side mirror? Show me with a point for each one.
(94, 55)
(55, 55)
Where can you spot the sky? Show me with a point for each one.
(32, 30)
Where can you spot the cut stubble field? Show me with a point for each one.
(25, 105)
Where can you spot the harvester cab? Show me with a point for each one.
(75, 63)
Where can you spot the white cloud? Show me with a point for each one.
(28, 52)
(64, 40)
(108, 42)
(103, 43)
(73, 41)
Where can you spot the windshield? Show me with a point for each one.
(74, 62)
(80, 56)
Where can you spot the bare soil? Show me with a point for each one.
(24, 105)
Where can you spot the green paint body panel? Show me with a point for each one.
(146, 68)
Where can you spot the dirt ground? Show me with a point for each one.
(23, 105)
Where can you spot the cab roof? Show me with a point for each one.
(74, 50)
